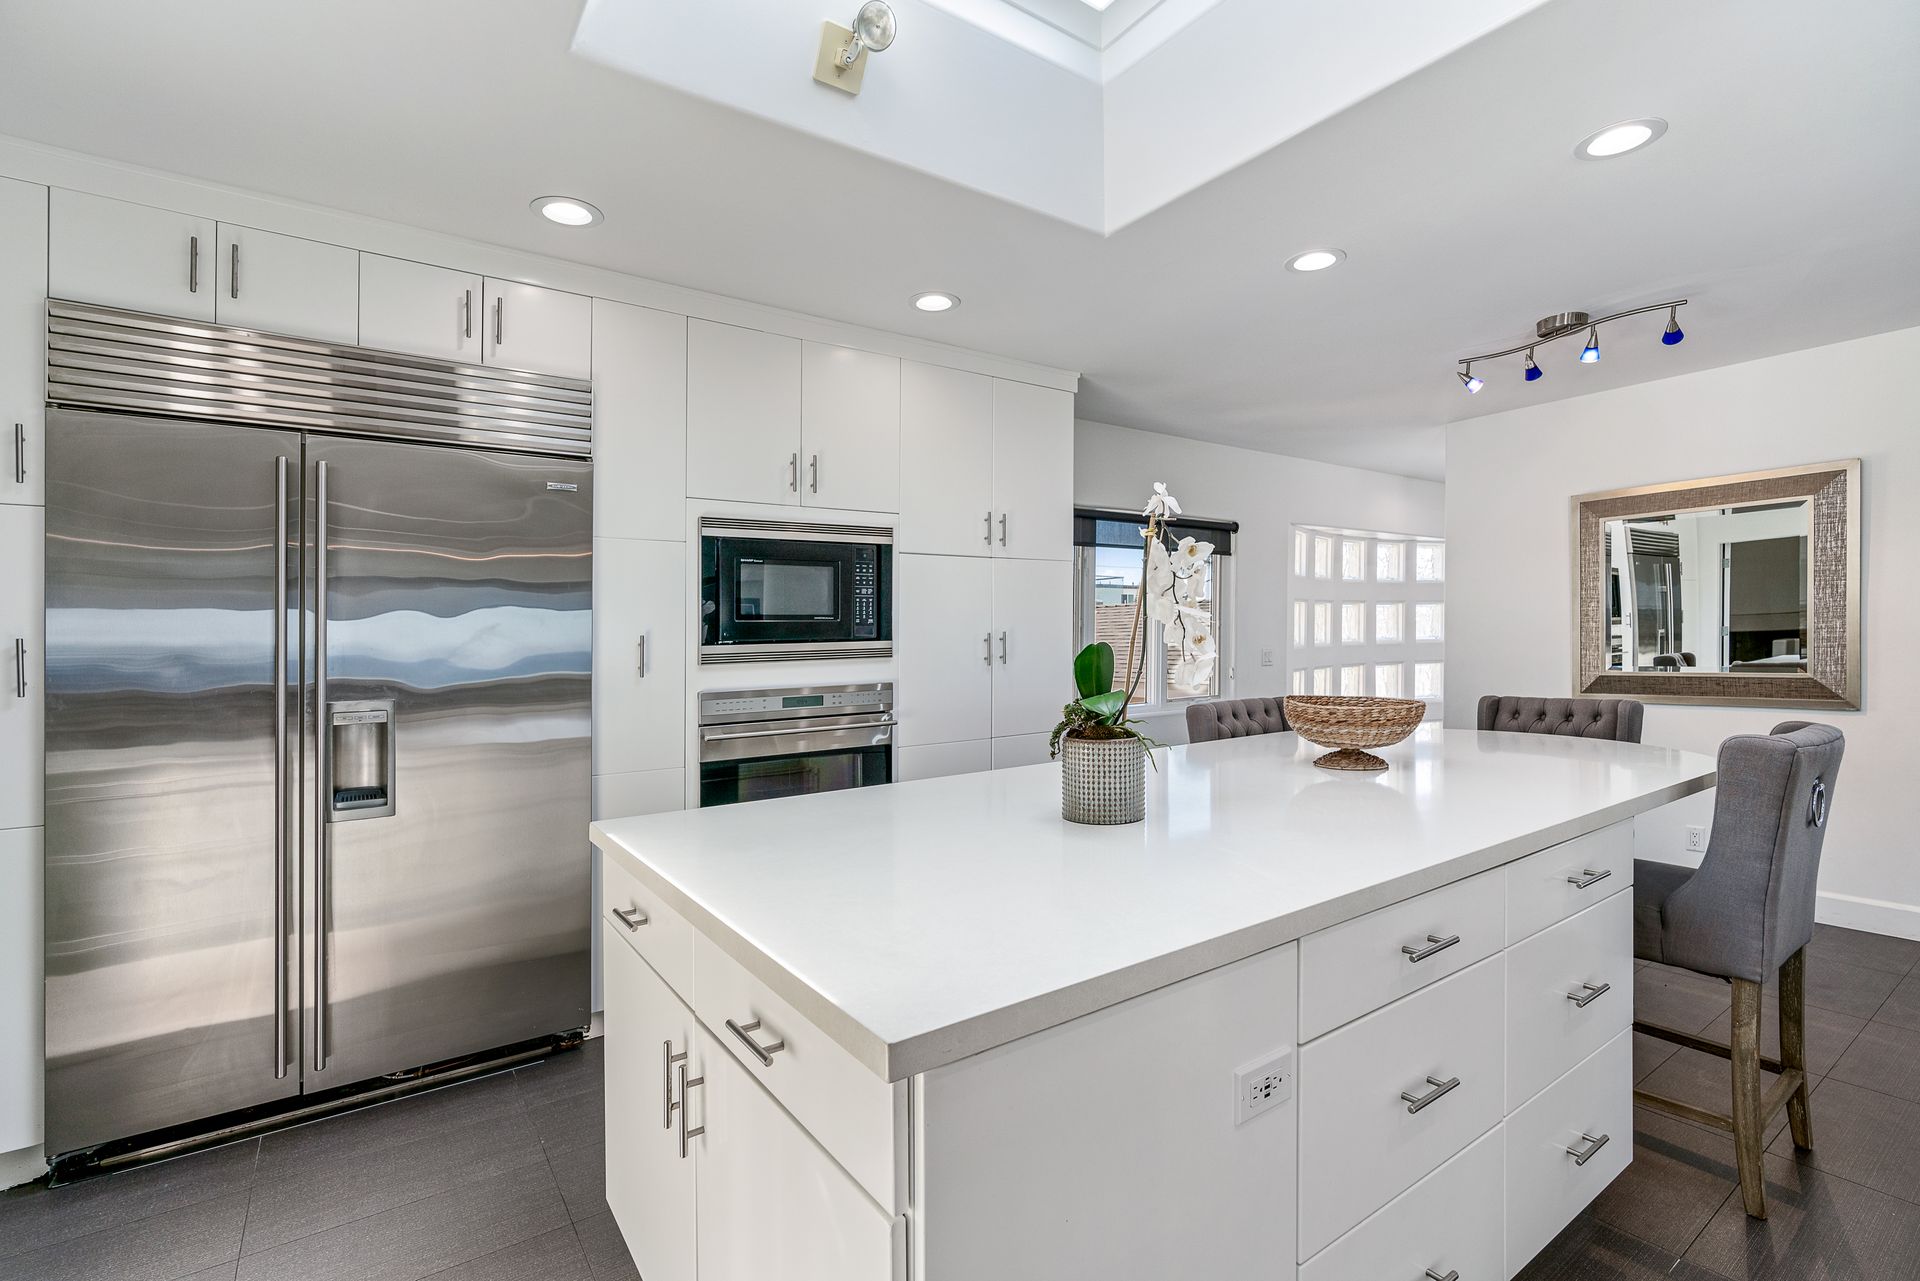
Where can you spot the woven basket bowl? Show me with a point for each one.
(1352, 725)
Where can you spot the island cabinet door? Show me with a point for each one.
(773, 1205)
(651, 1179)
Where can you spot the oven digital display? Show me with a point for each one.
(804, 700)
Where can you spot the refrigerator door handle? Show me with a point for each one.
(280, 878)
(322, 871)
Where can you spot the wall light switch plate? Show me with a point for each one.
(1696, 837)
(827, 69)
(1262, 1086)
(1266, 658)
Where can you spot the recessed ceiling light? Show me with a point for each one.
(566, 211)
(1316, 259)
(1619, 139)
(936, 300)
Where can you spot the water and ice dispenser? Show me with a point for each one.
(360, 769)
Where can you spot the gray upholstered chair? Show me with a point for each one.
(1235, 718)
(1745, 915)
(1616, 718)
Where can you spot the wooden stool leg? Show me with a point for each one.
(1793, 1043)
(1749, 1124)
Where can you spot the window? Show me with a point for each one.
(1386, 680)
(1323, 680)
(1300, 542)
(1299, 680)
(1323, 622)
(1430, 562)
(1429, 621)
(1323, 556)
(1353, 679)
(1107, 565)
(1389, 562)
(1387, 622)
(1353, 622)
(1426, 681)
(1353, 560)
(1299, 623)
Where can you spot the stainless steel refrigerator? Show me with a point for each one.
(317, 720)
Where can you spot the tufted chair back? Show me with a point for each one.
(1615, 718)
(1235, 718)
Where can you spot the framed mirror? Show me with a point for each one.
(1741, 590)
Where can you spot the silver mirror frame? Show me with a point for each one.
(1832, 680)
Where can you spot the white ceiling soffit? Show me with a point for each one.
(1094, 116)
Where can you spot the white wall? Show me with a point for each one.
(1268, 494)
(1510, 477)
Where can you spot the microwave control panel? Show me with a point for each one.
(866, 593)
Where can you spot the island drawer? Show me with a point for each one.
(859, 1118)
(1563, 879)
(1362, 1141)
(1588, 1112)
(1569, 992)
(1451, 1221)
(643, 919)
(1362, 964)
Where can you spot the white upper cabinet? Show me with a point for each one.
(943, 635)
(1032, 644)
(639, 421)
(546, 331)
(23, 343)
(285, 285)
(743, 414)
(849, 428)
(119, 254)
(946, 461)
(22, 664)
(423, 310)
(1032, 472)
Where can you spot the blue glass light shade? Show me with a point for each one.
(1674, 334)
(1534, 373)
(1590, 355)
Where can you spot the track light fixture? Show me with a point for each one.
(841, 61)
(1567, 323)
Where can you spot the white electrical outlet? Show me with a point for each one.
(1266, 658)
(1696, 837)
(1259, 1087)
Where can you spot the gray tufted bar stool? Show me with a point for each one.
(1745, 915)
(1616, 718)
(1235, 718)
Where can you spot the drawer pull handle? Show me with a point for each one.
(632, 917)
(1588, 876)
(1440, 1089)
(764, 1053)
(1435, 1276)
(1592, 993)
(1583, 1155)
(686, 1083)
(1415, 955)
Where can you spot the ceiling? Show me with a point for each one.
(1782, 200)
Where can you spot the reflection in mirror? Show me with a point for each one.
(1720, 590)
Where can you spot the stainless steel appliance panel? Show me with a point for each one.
(759, 744)
(453, 913)
(169, 920)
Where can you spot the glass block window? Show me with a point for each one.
(1389, 562)
(1299, 623)
(1323, 622)
(1430, 562)
(1389, 622)
(1427, 680)
(1299, 680)
(1387, 680)
(1353, 622)
(1353, 559)
(1301, 542)
(1429, 621)
(1353, 679)
(1323, 680)
(1323, 555)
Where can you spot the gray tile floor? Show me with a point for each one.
(500, 1179)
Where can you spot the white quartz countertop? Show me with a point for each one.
(923, 922)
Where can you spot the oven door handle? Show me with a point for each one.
(880, 727)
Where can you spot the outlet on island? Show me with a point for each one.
(1258, 1087)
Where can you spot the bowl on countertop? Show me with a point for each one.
(1351, 725)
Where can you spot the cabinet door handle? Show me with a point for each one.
(989, 640)
(1582, 1155)
(193, 264)
(642, 664)
(1003, 649)
(793, 473)
(989, 537)
(1415, 955)
(632, 917)
(499, 319)
(20, 668)
(686, 1083)
(764, 1053)
(1589, 876)
(1440, 1090)
(1003, 529)
(19, 453)
(1435, 1276)
(466, 314)
(813, 474)
(233, 270)
(667, 1059)
(1589, 993)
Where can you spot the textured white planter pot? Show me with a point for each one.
(1103, 780)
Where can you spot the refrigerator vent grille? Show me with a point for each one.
(105, 358)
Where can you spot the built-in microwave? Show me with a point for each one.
(782, 590)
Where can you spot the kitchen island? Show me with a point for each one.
(1295, 1023)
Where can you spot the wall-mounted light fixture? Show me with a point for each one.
(842, 60)
(1552, 328)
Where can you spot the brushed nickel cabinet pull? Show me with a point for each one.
(19, 453)
(989, 538)
(1589, 994)
(1415, 1102)
(667, 1059)
(1003, 649)
(989, 640)
(499, 319)
(764, 1053)
(686, 1083)
(1003, 529)
(793, 473)
(20, 667)
(466, 314)
(1435, 1276)
(1583, 1155)
(641, 666)
(813, 474)
(233, 271)
(1588, 876)
(1415, 955)
(632, 917)
(193, 264)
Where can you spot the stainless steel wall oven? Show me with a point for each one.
(756, 744)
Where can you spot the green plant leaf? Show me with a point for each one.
(1109, 707)
(1093, 669)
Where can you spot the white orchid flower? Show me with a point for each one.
(1162, 505)
(1190, 555)
(1190, 589)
